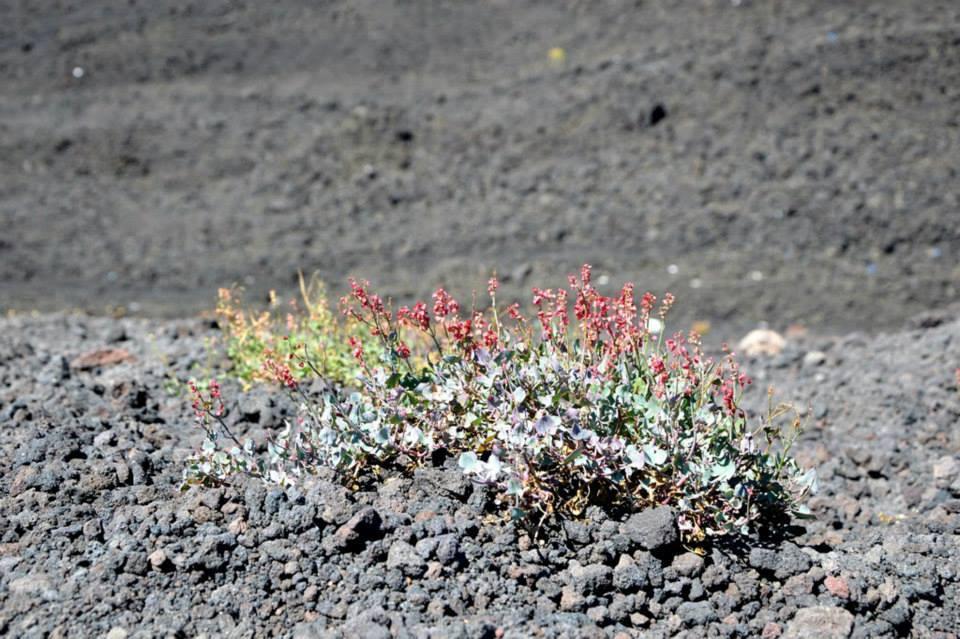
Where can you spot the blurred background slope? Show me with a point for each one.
(788, 162)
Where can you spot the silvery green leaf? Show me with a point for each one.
(328, 436)
(514, 487)
(655, 456)
(581, 434)
(482, 356)
(803, 512)
(547, 425)
(468, 461)
(273, 451)
(723, 471)
(810, 480)
(489, 470)
(634, 457)
(382, 435)
(706, 416)
(518, 395)
(412, 435)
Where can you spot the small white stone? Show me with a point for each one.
(945, 470)
(814, 358)
(78, 72)
(158, 558)
(673, 269)
(762, 341)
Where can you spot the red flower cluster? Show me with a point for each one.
(357, 347)
(609, 326)
(280, 371)
(459, 330)
(551, 305)
(732, 380)
(359, 290)
(416, 317)
(492, 285)
(611, 320)
(209, 404)
(444, 305)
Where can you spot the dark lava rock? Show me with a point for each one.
(696, 613)
(657, 114)
(405, 557)
(652, 529)
(688, 564)
(591, 579)
(628, 576)
(360, 529)
(783, 562)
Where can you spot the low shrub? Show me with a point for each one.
(588, 403)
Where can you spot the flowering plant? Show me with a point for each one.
(254, 340)
(589, 403)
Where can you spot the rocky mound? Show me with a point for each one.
(96, 539)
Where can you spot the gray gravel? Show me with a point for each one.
(96, 540)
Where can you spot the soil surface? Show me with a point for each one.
(792, 161)
(97, 540)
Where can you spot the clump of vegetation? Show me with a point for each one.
(588, 403)
(308, 327)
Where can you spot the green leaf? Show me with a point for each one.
(409, 382)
